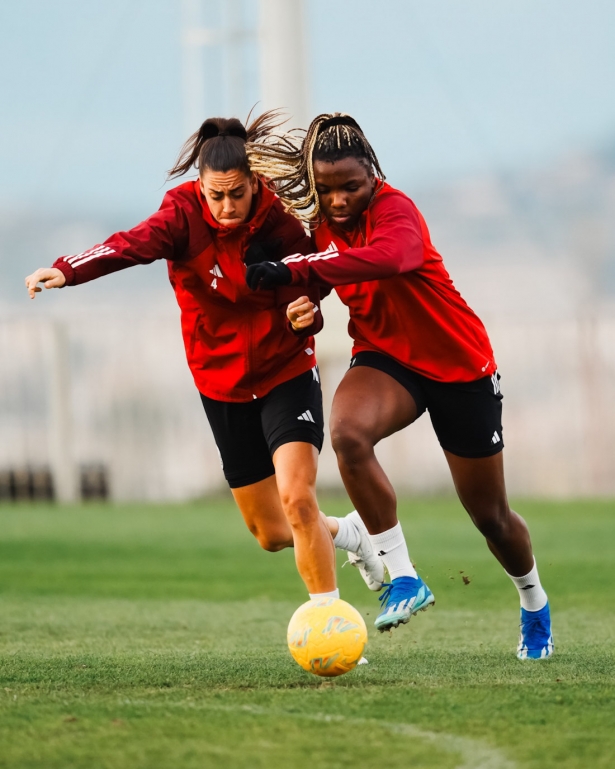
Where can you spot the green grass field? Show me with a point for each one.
(154, 636)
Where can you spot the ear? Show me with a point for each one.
(254, 183)
(202, 186)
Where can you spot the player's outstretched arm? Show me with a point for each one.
(300, 313)
(50, 277)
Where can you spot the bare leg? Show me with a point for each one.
(482, 491)
(295, 468)
(261, 508)
(262, 511)
(368, 406)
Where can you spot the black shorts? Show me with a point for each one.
(466, 416)
(248, 434)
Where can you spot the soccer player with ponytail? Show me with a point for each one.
(417, 347)
(251, 355)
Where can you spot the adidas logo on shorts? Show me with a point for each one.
(306, 417)
(496, 438)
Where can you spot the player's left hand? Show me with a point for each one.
(300, 313)
(268, 275)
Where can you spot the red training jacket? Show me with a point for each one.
(238, 342)
(402, 301)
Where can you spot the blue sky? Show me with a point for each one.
(91, 112)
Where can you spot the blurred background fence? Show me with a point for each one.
(106, 406)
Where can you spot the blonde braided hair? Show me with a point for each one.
(288, 168)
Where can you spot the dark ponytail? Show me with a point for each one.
(220, 144)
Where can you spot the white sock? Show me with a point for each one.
(331, 594)
(391, 547)
(348, 536)
(531, 593)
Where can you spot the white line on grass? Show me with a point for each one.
(474, 753)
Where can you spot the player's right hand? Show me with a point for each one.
(300, 313)
(50, 277)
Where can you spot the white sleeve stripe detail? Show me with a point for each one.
(82, 260)
(87, 259)
(99, 251)
(72, 258)
(324, 255)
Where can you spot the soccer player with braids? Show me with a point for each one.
(417, 347)
(256, 372)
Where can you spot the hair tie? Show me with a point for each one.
(344, 120)
(236, 130)
(208, 131)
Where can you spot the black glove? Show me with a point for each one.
(265, 251)
(268, 275)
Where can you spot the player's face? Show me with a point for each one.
(229, 195)
(344, 189)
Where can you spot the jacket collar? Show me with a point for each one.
(261, 205)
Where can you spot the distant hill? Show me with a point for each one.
(539, 240)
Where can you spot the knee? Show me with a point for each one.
(301, 510)
(493, 521)
(271, 540)
(272, 544)
(350, 443)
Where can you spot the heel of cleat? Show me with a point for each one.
(535, 638)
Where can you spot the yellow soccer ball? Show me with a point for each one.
(327, 636)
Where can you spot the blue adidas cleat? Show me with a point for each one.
(402, 598)
(535, 639)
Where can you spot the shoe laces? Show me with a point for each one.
(384, 596)
(400, 585)
(534, 622)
